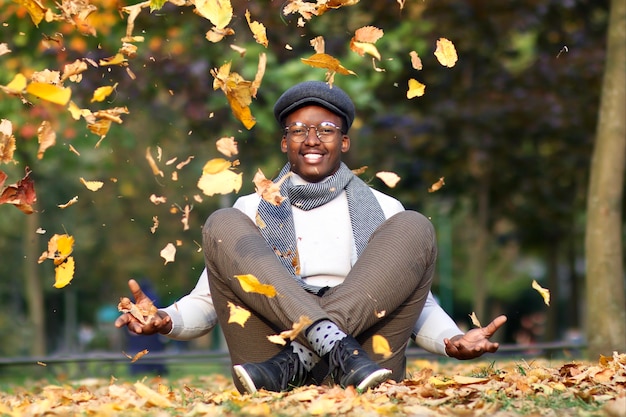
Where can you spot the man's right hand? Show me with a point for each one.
(161, 323)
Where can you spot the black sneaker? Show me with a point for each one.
(281, 372)
(350, 365)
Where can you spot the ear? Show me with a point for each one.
(283, 144)
(345, 143)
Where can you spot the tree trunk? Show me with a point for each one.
(606, 304)
(34, 291)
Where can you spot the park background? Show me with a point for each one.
(511, 127)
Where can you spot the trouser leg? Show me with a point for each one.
(233, 246)
(385, 291)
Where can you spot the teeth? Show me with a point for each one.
(313, 157)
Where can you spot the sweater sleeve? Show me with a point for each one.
(432, 326)
(193, 315)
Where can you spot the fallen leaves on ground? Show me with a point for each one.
(504, 388)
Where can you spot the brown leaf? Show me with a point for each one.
(22, 195)
(46, 137)
(436, 186)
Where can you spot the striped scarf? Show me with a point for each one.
(279, 232)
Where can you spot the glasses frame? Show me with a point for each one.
(322, 138)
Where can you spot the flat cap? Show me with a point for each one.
(318, 93)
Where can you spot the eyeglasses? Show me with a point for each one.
(324, 131)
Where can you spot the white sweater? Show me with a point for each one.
(326, 257)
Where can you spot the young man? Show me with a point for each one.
(347, 257)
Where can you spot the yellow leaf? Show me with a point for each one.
(18, 84)
(250, 283)
(258, 30)
(117, 59)
(49, 92)
(221, 183)
(389, 178)
(277, 339)
(91, 185)
(168, 253)
(71, 202)
(446, 53)
(103, 92)
(467, 380)
(545, 293)
(64, 273)
(35, 10)
(416, 89)
(436, 382)
(152, 396)
(219, 12)
(64, 246)
(381, 346)
(365, 48)
(238, 314)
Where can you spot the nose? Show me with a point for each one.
(315, 135)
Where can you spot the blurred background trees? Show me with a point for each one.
(511, 127)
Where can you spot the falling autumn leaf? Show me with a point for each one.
(35, 9)
(46, 137)
(250, 283)
(16, 86)
(390, 179)
(91, 185)
(380, 345)
(4, 49)
(101, 93)
(71, 202)
(227, 146)
(437, 186)
(364, 39)
(238, 314)
(64, 273)
(416, 89)
(545, 293)
(416, 62)
(117, 59)
(269, 190)
(446, 53)
(218, 178)
(327, 62)
(49, 92)
(218, 12)
(7, 141)
(153, 165)
(258, 30)
(475, 320)
(168, 253)
(238, 91)
(22, 195)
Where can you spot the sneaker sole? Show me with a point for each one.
(245, 379)
(374, 379)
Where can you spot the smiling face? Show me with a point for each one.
(312, 159)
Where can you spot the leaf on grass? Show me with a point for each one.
(152, 396)
(416, 89)
(49, 92)
(381, 346)
(92, 185)
(64, 273)
(545, 293)
(437, 186)
(46, 137)
(250, 283)
(474, 320)
(238, 314)
(168, 253)
(390, 179)
(446, 53)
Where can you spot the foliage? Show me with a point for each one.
(507, 389)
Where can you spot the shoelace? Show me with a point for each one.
(296, 371)
(339, 356)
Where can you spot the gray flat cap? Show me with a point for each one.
(317, 93)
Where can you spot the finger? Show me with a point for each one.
(122, 320)
(492, 327)
(135, 289)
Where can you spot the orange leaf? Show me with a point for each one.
(250, 283)
(21, 195)
(328, 62)
(7, 141)
(267, 189)
(35, 10)
(437, 186)
(46, 138)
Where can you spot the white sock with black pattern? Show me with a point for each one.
(323, 335)
(309, 359)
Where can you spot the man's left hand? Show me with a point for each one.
(475, 342)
